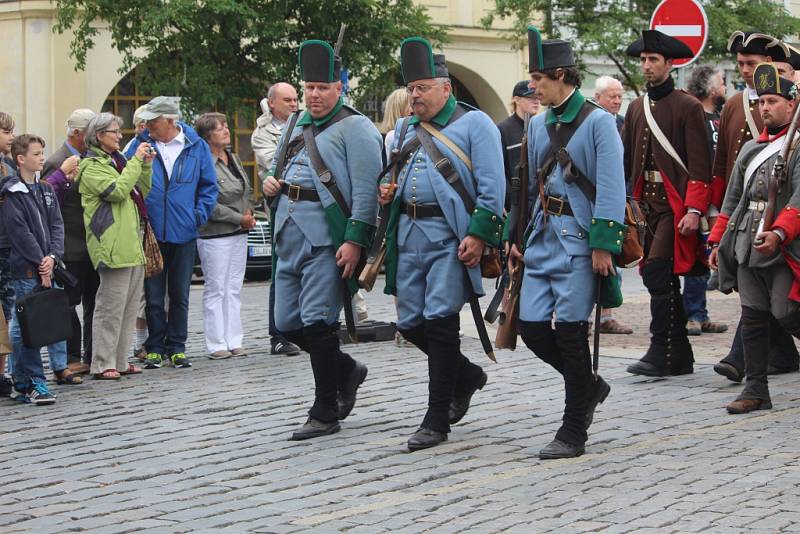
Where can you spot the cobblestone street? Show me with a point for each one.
(205, 449)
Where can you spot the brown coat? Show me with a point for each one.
(682, 119)
(733, 134)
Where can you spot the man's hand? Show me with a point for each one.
(386, 193)
(271, 187)
(347, 257)
(602, 262)
(70, 167)
(46, 266)
(46, 281)
(514, 256)
(470, 251)
(248, 220)
(770, 241)
(713, 259)
(689, 223)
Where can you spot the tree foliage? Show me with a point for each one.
(604, 28)
(221, 53)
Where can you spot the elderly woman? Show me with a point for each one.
(223, 242)
(112, 194)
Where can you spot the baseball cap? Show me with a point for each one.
(522, 89)
(79, 119)
(160, 105)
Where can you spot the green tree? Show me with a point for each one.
(222, 53)
(604, 28)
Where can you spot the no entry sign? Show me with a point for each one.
(685, 20)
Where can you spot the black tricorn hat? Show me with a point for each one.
(752, 42)
(777, 53)
(547, 54)
(318, 62)
(659, 43)
(418, 62)
(768, 82)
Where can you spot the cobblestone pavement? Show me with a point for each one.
(206, 449)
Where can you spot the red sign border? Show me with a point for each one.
(705, 37)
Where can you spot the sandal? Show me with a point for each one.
(131, 370)
(108, 374)
(66, 377)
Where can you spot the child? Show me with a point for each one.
(31, 208)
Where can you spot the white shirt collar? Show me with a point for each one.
(752, 93)
(568, 97)
(179, 139)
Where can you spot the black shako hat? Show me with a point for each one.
(318, 62)
(548, 54)
(768, 82)
(418, 62)
(659, 43)
(753, 42)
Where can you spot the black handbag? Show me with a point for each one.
(63, 277)
(44, 317)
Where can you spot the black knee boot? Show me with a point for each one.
(323, 344)
(416, 335)
(783, 356)
(540, 338)
(670, 352)
(573, 345)
(350, 375)
(732, 365)
(756, 341)
(296, 337)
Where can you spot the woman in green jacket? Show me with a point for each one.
(112, 194)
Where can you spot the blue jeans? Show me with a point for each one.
(694, 297)
(25, 363)
(6, 291)
(167, 332)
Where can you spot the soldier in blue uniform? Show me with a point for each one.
(434, 242)
(324, 210)
(571, 236)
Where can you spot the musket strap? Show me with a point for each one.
(661, 138)
(759, 159)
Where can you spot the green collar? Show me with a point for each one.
(570, 112)
(307, 119)
(444, 114)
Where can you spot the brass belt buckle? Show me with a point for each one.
(560, 205)
(761, 205)
(294, 192)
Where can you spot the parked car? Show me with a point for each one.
(259, 251)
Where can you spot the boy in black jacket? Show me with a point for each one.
(37, 240)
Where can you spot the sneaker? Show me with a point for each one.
(39, 394)
(281, 346)
(153, 360)
(694, 328)
(400, 341)
(6, 386)
(180, 361)
(140, 354)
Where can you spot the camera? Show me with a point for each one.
(151, 151)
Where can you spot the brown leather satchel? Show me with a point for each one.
(632, 249)
(491, 266)
(154, 263)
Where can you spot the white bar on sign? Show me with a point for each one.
(680, 30)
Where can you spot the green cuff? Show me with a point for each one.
(506, 230)
(607, 235)
(359, 232)
(486, 226)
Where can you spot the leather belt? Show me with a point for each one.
(295, 192)
(558, 206)
(758, 205)
(421, 211)
(654, 177)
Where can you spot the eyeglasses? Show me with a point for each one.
(421, 87)
(115, 132)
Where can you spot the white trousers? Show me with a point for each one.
(223, 260)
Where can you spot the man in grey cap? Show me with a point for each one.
(523, 101)
(59, 171)
(183, 196)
